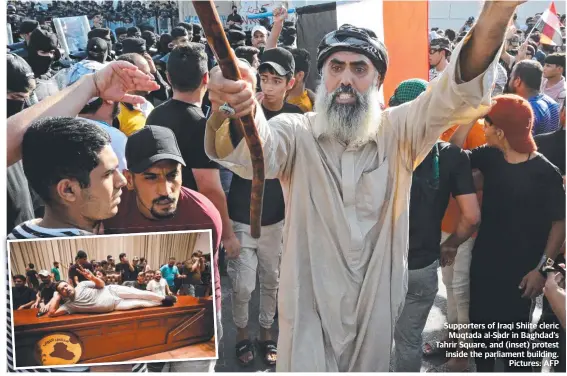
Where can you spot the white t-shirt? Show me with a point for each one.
(89, 298)
(157, 287)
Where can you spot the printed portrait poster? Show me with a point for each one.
(72, 33)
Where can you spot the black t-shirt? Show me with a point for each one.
(188, 123)
(273, 208)
(520, 202)
(234, 18)
(22, 296)
(127, 274)
(46, 291)
(73, 272)
(32, 276)
(552, 146)
(430, 197)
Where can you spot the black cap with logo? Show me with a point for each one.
(280, 59)
(149, 145)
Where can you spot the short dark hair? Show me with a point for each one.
(57, 284)
(20, 77)
(55, 262)
(61, 148)
(556, 59)
(535, 37)
(81, 255)
(530, 72)
(121, 255)
(132, 57)
(20, 277)
(186, 66)
(179, 31)
(450, 34)
(268, 69)
(31, 266)
(247, 53)
(302, 60)
(103, 263)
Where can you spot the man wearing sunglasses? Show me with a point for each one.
(439, 52)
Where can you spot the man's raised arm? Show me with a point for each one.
(462, 93)
(110, 83)
(224, 142)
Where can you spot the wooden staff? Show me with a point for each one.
(212, 26)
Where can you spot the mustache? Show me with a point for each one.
(164, 200)
(345, 89)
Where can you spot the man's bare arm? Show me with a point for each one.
(461, 133)
(556, 240)
(468, 221)
(486, 38)
(280, 15)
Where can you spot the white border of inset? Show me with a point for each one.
(210, 232)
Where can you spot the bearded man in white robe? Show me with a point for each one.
(346, 175)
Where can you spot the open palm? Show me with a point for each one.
(118, 78)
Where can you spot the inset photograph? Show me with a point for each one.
(111, 299)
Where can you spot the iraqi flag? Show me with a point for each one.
(401, 25)
(549, 27)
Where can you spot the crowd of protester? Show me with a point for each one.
(191, 277)
(118, 150)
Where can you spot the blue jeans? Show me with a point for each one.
(422, 289)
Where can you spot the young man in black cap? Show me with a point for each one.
(439, 52)
(155, 200)
(262, 255)
(346, 172)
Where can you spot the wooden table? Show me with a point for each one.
(120, 335)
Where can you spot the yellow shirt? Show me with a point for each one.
(303, 102)
(132, 121)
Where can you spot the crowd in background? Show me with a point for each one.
(168, 124)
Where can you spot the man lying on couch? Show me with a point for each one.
(93, 296)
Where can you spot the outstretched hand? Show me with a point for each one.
(114, 81)
(83, 272)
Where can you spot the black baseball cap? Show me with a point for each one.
(149, 145)
(97, 46)
(280, 59)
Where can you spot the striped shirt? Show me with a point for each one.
(546, 114)
(30, 230)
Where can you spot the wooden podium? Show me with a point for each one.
(120, 335)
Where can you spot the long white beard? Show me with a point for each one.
(357, 122)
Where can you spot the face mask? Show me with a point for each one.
(40, 64)
(14, 106)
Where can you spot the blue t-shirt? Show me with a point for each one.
(546, 114)
(169, 272)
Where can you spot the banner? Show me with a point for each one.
(245, 8)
